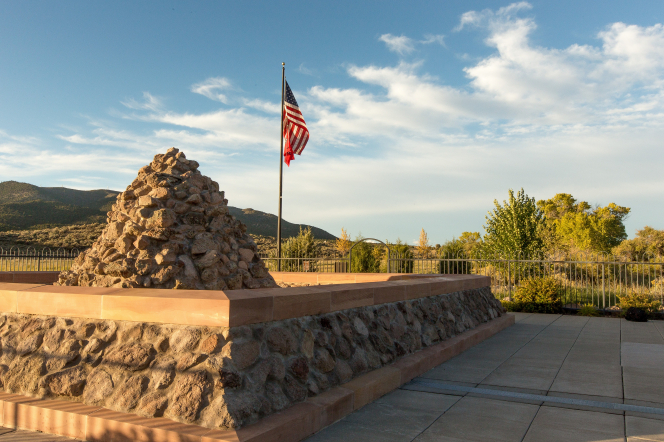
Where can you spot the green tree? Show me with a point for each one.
(423, 246)
(343, 243)
(471, 243)
(466, 246)
(452, 249)
(402, 257)
(574, 226)
(648, 243)
(301, 246)
(298, 247)
(513, 229)
(453, 255)
(363, 258)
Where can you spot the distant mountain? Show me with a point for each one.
(265, 224)
(25, 206)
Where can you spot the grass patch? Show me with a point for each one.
(587, 310)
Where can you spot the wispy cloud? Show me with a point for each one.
(261, 105)
(403, 45)
(399, 44)
(150, 103)
(431, 38)
(212, 87)
(305, 70)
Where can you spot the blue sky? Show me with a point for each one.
(421, 113)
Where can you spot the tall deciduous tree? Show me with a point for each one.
(576, 226)
(471, 242)
(423, 244)
(648, 244)
(513, 229)
(465, 246)
(343, 243)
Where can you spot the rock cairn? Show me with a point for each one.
(171, 229)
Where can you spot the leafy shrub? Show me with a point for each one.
(532, 307)
(587, 310)
(300, 246)
(512, 306)
(363, 259)
(539, 289)
(536, 295)
(639, 300)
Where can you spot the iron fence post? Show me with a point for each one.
(509, 279)
(603, 291)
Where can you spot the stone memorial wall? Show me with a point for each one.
(229, 377)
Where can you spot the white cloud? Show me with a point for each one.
(634, 53)
(520, 88)
(399, 44)
(474, 18)
(211, 88)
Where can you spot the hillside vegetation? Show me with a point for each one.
(61, 217)
(81, 236)
(77, 236)
(24, 206)
(265, 224)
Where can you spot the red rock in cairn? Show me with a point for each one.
(171, 229)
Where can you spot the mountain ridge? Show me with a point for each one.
(24, 206)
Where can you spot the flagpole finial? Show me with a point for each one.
(283, 64)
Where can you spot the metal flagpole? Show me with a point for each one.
(281, 165)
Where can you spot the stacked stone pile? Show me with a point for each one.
(171, 229)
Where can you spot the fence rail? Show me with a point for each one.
(583, 281)
(32, 260)
(599, 280)
(594, 279)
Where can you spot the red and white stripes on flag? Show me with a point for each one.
(295, 133)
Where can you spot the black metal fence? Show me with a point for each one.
(32, 260)
(597, 279)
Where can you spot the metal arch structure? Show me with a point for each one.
(350, 252)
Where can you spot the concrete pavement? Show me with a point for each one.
(547, 378)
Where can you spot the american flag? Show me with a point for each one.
(296, 133)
